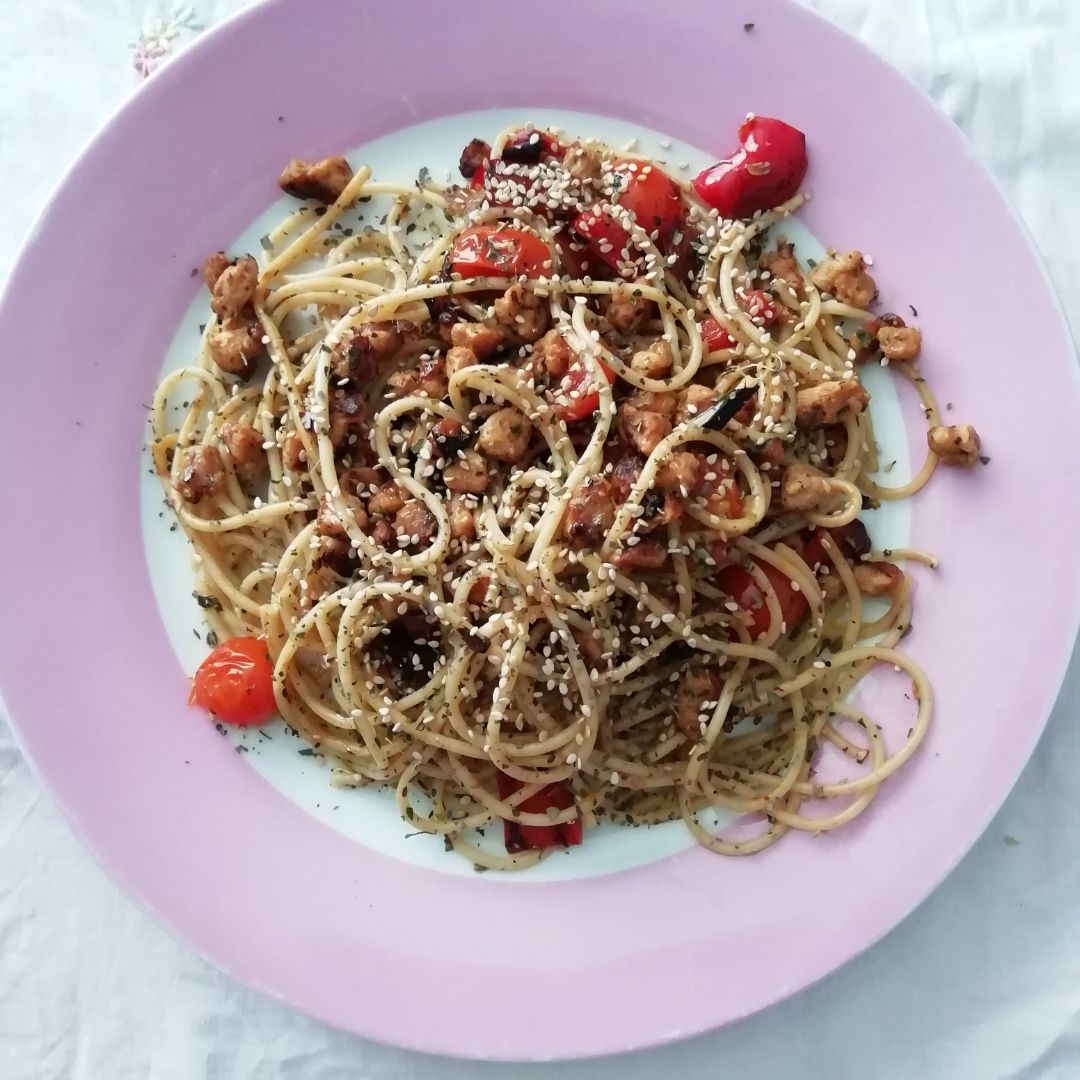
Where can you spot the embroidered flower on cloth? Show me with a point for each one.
(162, 36)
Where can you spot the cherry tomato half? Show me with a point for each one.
(499, 251)
(571, 401)
(236, 683)
(740, 585)
(758, 305)
(715, 336)
(649, 195)
(576, 259)
(766, 170)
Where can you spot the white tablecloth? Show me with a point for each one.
(982, 981)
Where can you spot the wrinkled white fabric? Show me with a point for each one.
(982, 981)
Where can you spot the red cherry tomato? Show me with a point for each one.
(606, 238)
(740, 585)
(523, 148)
(236, 683)
(767, 169)
(707, 489)
(758, 304)
(576, 260)
(527, 147)
(715, 336)
(519, 837)
(499, 251)
(571, 401)
(649, 195)
(852, 539)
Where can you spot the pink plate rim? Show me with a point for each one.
(467, 966)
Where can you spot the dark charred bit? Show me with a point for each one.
(525, 148)
(449, 436)
(864, 340)
(353, 358)
(444, 310)
(853, 539)
(473, 157)
(679, 239)
(756, 247)
(678, 650)
(411, 664)
(475, 641)
(652, 503)
(715, 418)
(580, 432)
(339, 556)
(444, 313)
(888, 319)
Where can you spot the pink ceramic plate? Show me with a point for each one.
(466, 964)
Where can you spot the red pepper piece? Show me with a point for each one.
(520, 837)
(766, 170)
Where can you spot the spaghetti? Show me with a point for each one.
(465, 474)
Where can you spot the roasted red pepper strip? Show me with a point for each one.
(765, 171)
(539, 837)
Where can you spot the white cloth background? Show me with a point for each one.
(982, 981)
